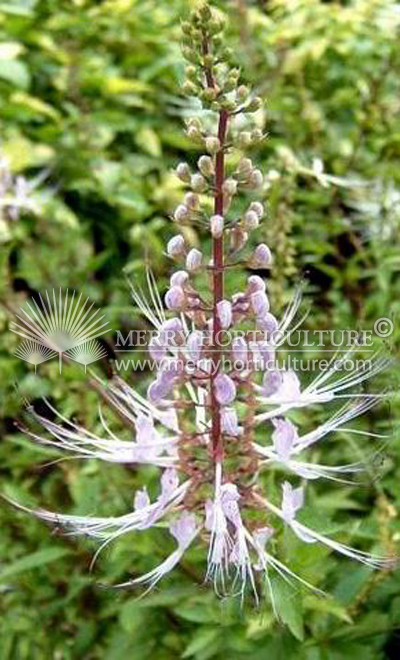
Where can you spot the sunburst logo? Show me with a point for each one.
(63, 324)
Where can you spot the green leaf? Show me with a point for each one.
(34, 560)
(289, 607)
(202, 639)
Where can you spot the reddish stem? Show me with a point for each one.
(218, 265)
(218, 284)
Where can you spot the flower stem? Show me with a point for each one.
(218, 267)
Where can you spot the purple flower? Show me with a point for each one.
(187, 427)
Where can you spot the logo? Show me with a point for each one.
(60, 325)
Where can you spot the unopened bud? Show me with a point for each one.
(198, 183)
(183, 172)
(217, 226)
(230, 187)
(176, 246)
(260, 303)
(194, 260)
(191, 201)
(206, 166)
(242, 93)
(255, 283)
(189, 88)
(229, 422)
(225, 389)
(175, 298)
(224, 311)
(181, 213)
(212, 145)
(195, 345)
(250, 220)
(256, 179)
(258, 208)
(254, 105)
(180, 278)
(262, 257)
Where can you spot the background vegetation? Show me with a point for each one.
(91, 111)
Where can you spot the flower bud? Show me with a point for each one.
(180, 278)
(255, 180)
(183, 172)
(217, 226)
(191, 201)
(176, 246)
(230, 187)
(260, 303)
(206, 166)
(267, 323)
(224, 311)
(175, 298)
(262, 257)
(194, 260)
(254, 105)
(258, 208)
(239, 349)
(242, 93)
(195, 345)
(255, 283)
(181, 213)
(198, 183)
(225, 389)
(213, 145)
(189, 88)
(229, 422)
(250, 220)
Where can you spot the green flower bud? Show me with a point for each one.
(254, 105)
(191, 73)
(189, 88)
(208, 94)
(228, 104)
(215, 26)
(183, 172)
(205, 13)
(186, 28)
(242, 93)
(208, 60)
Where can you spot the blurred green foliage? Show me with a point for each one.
(90, 102)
